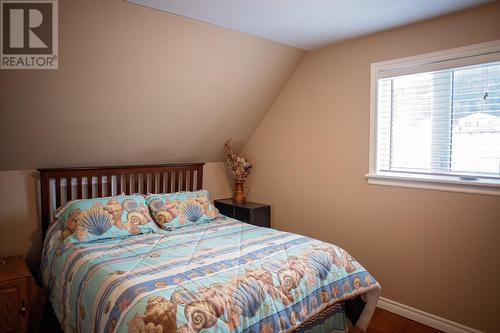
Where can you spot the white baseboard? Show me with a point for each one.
(425, 318)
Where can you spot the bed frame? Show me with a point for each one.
(59, 185)
(90, 182)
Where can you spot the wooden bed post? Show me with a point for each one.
(45, 201)
(199, 181)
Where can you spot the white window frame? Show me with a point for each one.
(433, 182)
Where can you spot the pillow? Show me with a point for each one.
(173, 210)
(118, 216)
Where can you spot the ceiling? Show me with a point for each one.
(309, 24)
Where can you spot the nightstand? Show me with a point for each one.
(20, 298)
(249, 212)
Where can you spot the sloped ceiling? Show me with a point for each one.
(136, 85)
(310, 24)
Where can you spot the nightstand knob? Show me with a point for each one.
(23, 308)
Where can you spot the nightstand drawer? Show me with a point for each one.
(14, 305)
(21, 301)
(242, 214)
(9, 308)
(227, 210)
(249, 212)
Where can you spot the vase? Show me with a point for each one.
(239, 193)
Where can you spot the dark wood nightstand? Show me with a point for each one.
(21, 301)
(249, 212)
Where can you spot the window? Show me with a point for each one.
(435, 121)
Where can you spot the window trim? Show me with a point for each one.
(424, 181)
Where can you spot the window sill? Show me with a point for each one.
(439, 183)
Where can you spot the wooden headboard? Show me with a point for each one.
(91, 182)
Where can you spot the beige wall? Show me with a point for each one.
(19, 215)
(20, 229)
(436, 251)
(136, 85)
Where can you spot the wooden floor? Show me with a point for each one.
(387, 322)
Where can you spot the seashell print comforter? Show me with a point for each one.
(219, 276)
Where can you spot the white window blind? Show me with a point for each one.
(442, 122)
(439, 125)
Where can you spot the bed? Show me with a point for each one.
(220, 275)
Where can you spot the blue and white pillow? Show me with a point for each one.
(118, 216)
(173, 210)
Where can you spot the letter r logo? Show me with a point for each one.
(29, 34)
(27, 27)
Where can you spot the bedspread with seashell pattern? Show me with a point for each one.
(218, 276)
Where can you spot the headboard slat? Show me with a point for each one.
(58, 191)
(191, 176)
(169, 182)
(89, 187)
(79, 191)
(127, 183)
(128, 172)
(184, 181)
(99, 186)
(68, 188)
(118, 184)
(199, 180)
(109, 183)
(161, 184)
(176, 182)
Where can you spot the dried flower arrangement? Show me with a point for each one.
(239, 167)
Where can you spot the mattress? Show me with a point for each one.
(218, 276)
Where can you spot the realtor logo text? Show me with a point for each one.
(29, 36)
